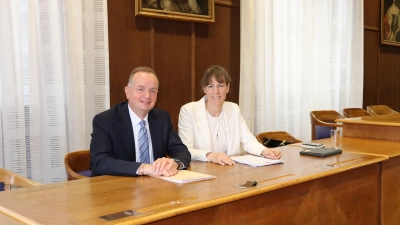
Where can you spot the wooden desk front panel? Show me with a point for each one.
(390, 172)
(346, 198)
(381, 127)
(338, 184)
(390, 194)
(390, 133)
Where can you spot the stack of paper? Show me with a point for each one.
(255, 161)
(186, 176)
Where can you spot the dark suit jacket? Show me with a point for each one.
(112, 149)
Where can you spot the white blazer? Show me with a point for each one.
(195, 132)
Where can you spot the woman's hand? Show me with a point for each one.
(271, 153)
(220, 158)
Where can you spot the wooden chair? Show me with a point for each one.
(322, 121)
(277, 135)
(77, 165)
(9, 179)
(355, 112)
(380, 110)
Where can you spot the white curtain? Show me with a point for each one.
(54, 78)
(298, 56)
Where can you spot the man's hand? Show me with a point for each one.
(220, 158)
(161, 167)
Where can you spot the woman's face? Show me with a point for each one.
(216, 92)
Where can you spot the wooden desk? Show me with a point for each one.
(382, 127)
(341, 189)
(390, 172)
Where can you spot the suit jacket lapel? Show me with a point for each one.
(202, 122)
(126, 130)
(156, 132)
(229, 129)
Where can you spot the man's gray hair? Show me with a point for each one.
(140, 69)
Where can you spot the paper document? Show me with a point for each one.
(255, 161)
(186, 176)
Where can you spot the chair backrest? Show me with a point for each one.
(355, 112)
(77, 164)
(9, 179)
(322, 121)
(277, 135)
(380, 110)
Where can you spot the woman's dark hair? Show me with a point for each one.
(218, 72)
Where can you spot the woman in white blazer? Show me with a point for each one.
(213, 129)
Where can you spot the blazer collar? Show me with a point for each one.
(126, 127)
(155, 126)
(230, 142)
(156, 132)
(202, 121)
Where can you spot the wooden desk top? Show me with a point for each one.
(383, 120)
(366, 146)
(84, 201)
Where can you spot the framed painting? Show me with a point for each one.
(390, 22)
(185, 10)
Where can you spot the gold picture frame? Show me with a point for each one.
(201, 11)
(390, 22)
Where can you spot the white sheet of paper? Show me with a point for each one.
(255, 161)
(186, 176)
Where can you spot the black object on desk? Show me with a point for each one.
(320, 152)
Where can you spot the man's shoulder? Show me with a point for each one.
(158, 116)
(113, 111)
(157, 111)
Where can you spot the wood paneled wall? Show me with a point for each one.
(178, 51)
(381, 62)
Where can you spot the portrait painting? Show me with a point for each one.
(184, 10)
(390, 22)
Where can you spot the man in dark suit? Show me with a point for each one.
(133, 138)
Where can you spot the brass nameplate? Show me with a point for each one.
(119, 215)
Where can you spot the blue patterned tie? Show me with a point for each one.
(143, 143)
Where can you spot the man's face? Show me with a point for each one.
(142, 95)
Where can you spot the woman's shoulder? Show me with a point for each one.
(188, 106)
(193, 105)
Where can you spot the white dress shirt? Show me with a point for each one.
(136, 128)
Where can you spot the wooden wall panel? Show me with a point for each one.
(215, 46)
(371, 68)
(178, 51)
(173, 64)
(129, 45)
(389, 79)
(381, 62)
(372, 13)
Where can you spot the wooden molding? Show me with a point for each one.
(371, 28)
(226, 3)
